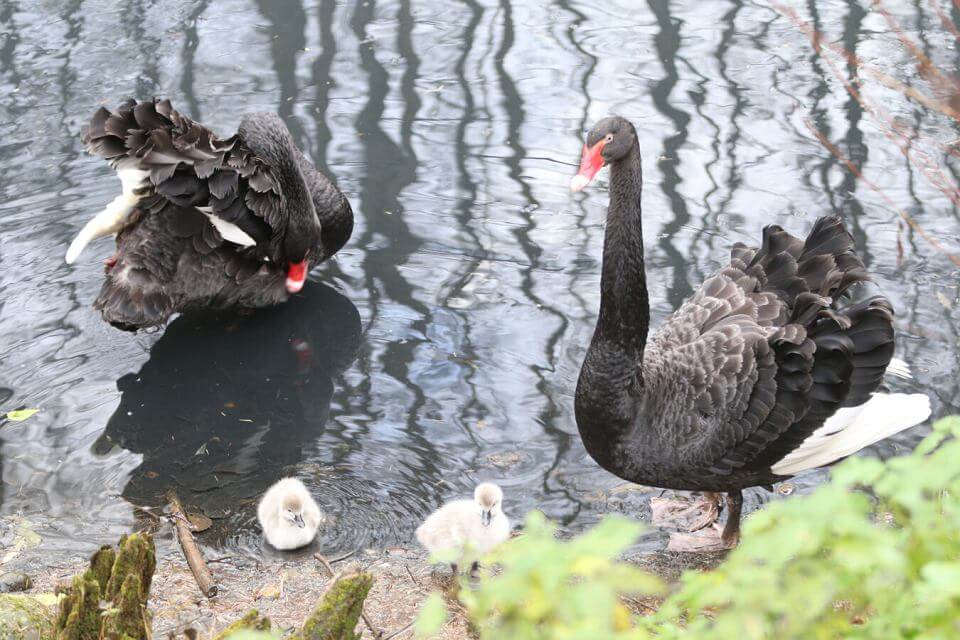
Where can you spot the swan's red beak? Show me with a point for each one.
(590, 164)
(296, 275)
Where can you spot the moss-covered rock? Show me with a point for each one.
(26, 617)
(252, 620)
(102, 565)
(79, 617)
(137, 556)
(109, 601)
(336, 615)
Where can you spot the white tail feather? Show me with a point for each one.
(113, 216)
(229, 231)
(899, 369)
(853, 428)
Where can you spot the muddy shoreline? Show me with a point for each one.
(285, 589)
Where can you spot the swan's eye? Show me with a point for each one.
(609, 138)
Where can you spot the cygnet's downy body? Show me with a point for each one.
(477, 524)
(288, 515)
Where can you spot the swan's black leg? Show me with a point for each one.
(453, 565)
(474, 568)
(731, 532)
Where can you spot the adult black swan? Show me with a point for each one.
(205, 222)
(767, 370)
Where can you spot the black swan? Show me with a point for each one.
(767, 370)
(205, 222)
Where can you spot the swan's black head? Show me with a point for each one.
(301, 239)
(611, 140)
(267, 136)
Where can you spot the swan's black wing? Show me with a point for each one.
(170, 259)
(764, 352)
(190, 166)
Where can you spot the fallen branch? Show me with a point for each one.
(194, 558)
(832, 148)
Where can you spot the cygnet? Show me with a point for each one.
(479, 524)
(288, 515)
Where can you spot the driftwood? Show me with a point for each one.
(194, 558)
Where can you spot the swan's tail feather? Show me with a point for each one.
(114, 215)
(899, 369)
(853, 428)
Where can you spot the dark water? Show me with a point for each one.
(442, 346)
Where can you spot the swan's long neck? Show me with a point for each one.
(267, 136)
(624, 307)
(610, 389)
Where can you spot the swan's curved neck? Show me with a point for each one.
(624, 307)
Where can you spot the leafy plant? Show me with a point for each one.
(875, 553)
(837, 564)
(551, 588)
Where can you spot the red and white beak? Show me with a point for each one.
(590, 164)
(296, 275)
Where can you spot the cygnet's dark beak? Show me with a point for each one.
(485, 517)
(299, 520)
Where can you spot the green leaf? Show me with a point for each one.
(432, 616)
(20, 415)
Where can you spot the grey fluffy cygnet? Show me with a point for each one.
(288, 515)
(479, 524)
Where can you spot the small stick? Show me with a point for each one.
(194, 558)
(412, 579)
(378, 634)
(398, 631)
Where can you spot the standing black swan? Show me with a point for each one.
(770, 368)
(204, 222)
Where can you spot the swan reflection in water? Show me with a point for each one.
(226, 404)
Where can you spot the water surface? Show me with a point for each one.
(443, 343)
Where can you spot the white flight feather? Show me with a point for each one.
(114, 215)
(853, 428)
(228, 231)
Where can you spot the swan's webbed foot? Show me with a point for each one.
(685, 514)
(715, 537)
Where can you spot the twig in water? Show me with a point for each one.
(189, 546)
(832, 148)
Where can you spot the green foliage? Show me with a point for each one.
(836, 565)
(875, 553)
(551, 588)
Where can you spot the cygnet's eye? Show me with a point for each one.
(609, 138)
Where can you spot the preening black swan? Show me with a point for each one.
(205, 222)
(769, 369)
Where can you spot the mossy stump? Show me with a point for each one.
(121, 578)
(336, 615)
(252, 620)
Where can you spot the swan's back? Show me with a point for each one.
(759, 358)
